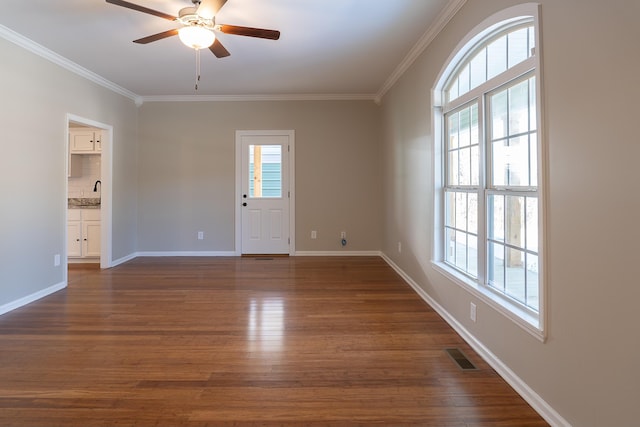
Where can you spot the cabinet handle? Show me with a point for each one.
(85, 240)
(77, 240)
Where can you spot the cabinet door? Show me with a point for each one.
(97, 137)
(91, 238)
(81, 141)
(74, 232)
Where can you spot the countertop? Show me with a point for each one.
(83, 203)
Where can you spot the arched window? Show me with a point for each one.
(489, 222)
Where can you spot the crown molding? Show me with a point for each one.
(272, 97)
(33, 47)
(432, 32)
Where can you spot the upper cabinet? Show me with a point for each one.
(85, 141)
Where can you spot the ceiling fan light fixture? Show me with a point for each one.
(196, 37)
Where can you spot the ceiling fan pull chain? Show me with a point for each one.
(197, 67)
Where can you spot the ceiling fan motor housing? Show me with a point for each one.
(189, 16)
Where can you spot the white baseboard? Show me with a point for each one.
(233, 254)
(31, 298)
(527, 393)
(184, 253)
(123, 260)
(338, 253)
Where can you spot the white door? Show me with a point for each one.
(264, 191)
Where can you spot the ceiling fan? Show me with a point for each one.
(199, 26)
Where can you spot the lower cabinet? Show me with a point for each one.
(83, 233)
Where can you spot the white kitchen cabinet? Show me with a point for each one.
(91, 238)
(74, 238)
(85, 141)
(83, 233)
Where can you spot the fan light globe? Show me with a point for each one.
(196, 37)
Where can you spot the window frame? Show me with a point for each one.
(482, 35)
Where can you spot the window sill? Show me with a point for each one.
(521, 317)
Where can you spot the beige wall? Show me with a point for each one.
(585, 370)
(187, 172)
(36, 98)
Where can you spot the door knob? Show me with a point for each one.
(244, 204)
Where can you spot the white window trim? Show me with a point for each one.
(536, 325)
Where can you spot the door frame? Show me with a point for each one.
(106, 188)
(292, 194)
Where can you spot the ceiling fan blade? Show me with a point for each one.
(156, 37)
(142, 9)
(209, 8)
(251, 32)
(218, 50)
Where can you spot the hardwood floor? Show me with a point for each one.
(243, 341)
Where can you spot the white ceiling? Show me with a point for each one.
(327, 47)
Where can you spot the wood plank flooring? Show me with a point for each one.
(300, 341)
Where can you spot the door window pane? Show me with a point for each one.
(265, 171)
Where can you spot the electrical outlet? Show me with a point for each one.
(343, 234)
(399, 247)
(314, 234)
(56, 260)
(472, 312)
(200, 235)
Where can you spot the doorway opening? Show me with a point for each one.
(89, 193)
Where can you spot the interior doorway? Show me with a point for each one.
(98, 193)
